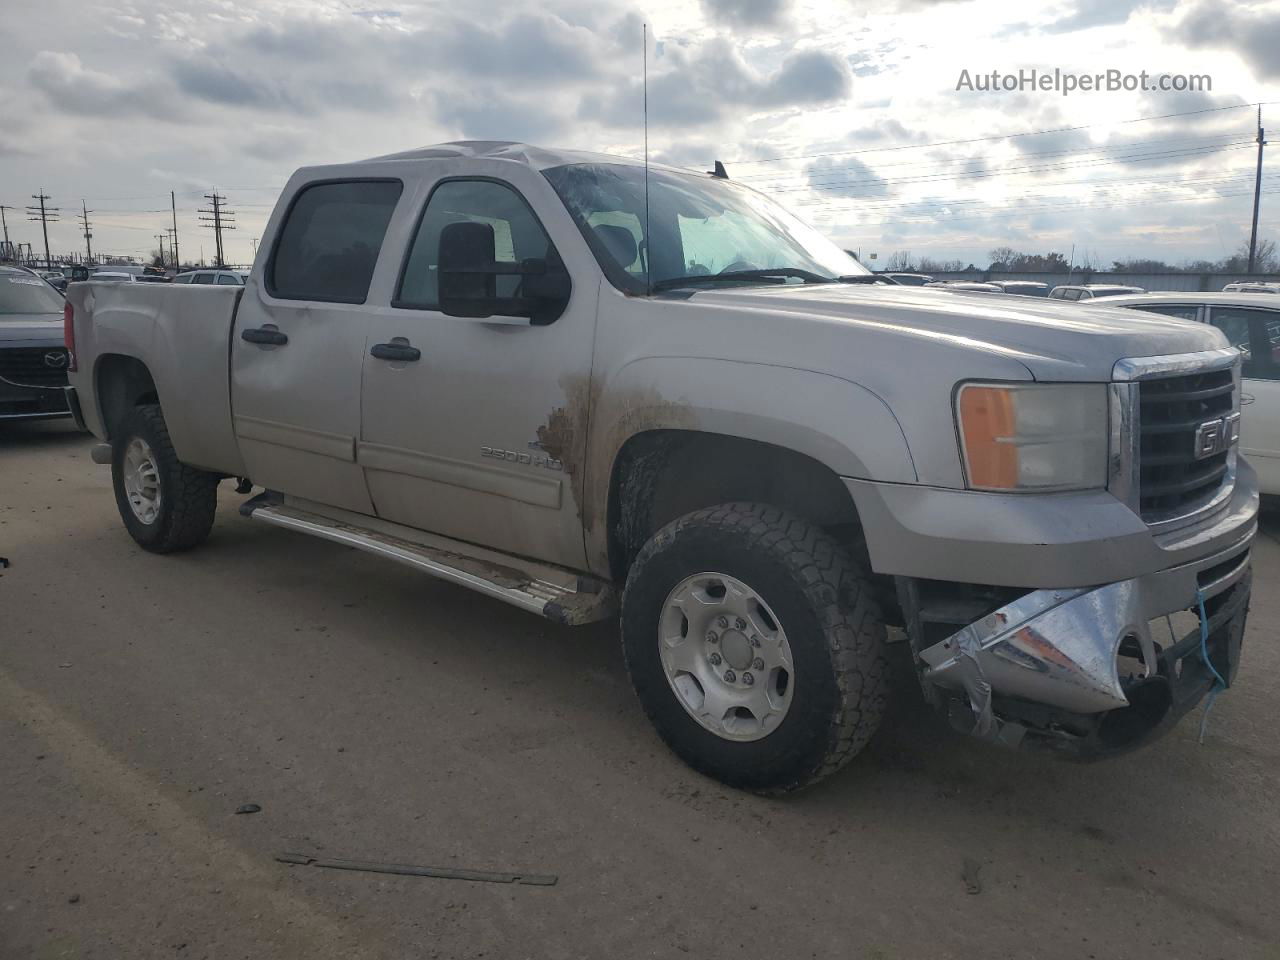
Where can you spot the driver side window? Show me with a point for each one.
(517, 236)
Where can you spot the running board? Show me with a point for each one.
(521, 583)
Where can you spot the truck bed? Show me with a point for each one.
(181, 334)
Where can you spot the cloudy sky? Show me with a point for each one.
(849, 113)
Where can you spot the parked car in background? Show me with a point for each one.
(56, 279)
(1023, 288)
(33, 356)
(909, 279)
(226, 278)
(1091, 291)
(130, 268)
(1251, 322)
(1251, 286)
(966, 286)
(115, 276)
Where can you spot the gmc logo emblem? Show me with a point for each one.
(1216, 436)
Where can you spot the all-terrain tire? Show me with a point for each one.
(188, 497)
(825, 603)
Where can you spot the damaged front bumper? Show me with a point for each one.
(1091, 672)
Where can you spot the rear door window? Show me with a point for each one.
(1180, 310)
(1256, 334)
(227, 280)
(330, 241)
(202, 278)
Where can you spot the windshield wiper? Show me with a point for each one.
(808, 276)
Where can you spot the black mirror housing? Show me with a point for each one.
(469, 273)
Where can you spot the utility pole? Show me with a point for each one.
(88, 234)
(1257, 194)
(160, 243)
(173, 208)
(7, 249)
(44, 215)
(220, 219)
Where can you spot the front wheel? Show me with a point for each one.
(755, 645)
(165, 504)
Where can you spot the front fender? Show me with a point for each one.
(839, 423)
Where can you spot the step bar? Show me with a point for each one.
(521, 583)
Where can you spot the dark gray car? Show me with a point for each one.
(33, 355)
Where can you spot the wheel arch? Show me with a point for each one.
(661, 474)
(121, 383)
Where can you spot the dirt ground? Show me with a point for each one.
(375, 714)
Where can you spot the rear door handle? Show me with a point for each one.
(398, 349)
(267, 334)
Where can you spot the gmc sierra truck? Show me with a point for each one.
(597, 389)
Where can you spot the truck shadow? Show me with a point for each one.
(34, 434)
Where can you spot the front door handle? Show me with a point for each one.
(398, 349)
(267, 334)
(1246, 398)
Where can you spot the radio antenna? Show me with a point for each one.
(648, 264)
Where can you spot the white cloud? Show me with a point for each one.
(136, 100)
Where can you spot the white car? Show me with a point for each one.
(1251, 286)
(1251, 321)
(227, 278)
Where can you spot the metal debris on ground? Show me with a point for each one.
(408, 870)
(971, 874)
(4, 563)
(248, 808)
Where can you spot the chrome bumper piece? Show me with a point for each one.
(1062, 648)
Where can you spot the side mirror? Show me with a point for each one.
(469, 285)
(79, 274)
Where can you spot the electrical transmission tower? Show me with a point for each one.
(218, 218)
(44, 214)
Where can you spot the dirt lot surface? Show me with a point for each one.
(374, 714)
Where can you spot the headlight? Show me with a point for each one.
(1050, 436)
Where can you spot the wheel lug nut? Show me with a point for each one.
(748, 679)
(715, 659)
(730, 676)
(740, 623)
(722, 621)
(757, 664)
(755, 641)
(712, 637)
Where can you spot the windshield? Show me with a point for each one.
(699, 227)
(24, 293)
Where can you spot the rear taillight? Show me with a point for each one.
(69, 334)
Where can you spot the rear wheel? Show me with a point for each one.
(165, 504)
(755, 645)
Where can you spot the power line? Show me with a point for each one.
(1104, 149)
(1003, 136)
(1003, 171)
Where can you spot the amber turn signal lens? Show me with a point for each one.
(988, 427)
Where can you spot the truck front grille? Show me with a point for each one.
(37, 366)
(1173, 480)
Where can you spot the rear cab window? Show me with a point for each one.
(329, 244)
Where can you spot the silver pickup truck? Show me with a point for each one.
(592, 389)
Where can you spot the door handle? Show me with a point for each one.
(266, 334)
(398, 349)
(1246, 398)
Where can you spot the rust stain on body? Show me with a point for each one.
(586, 433)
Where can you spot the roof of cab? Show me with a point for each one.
(539, 158)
